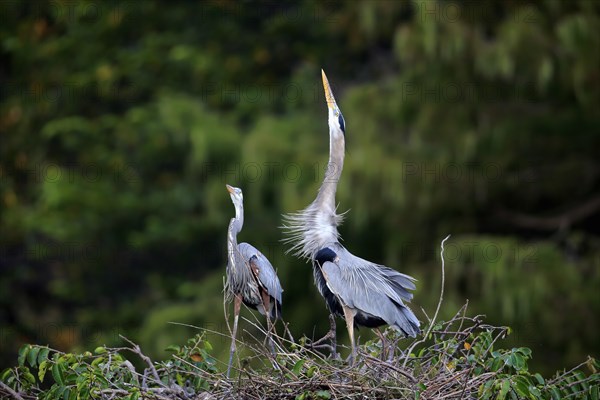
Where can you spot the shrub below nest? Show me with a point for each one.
(459, 359)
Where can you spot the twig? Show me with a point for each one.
(137, 350)
(559, 376)
(14, 394)
(392, 367)
(441, 299)
(287, 330)
(155, 392)
(437, 310)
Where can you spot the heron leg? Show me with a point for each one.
(267, 306)
(332, 335)
(237, 302)
(349, 315)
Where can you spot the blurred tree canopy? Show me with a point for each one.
(120, 123)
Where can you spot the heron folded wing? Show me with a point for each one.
(266, 273)
(366, 288)
(401, 283)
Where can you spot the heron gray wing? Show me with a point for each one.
(372, 289)
(266, 273)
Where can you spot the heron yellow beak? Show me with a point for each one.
(229, 188)
(328, 93)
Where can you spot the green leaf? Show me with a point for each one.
(33, 355)
(68, 358)
(52, 393)
(135, 396)
(484, 392)
(70, 376)
(526, 351)
(29, 377)
(298, 367)
(100, 377)
(581, 378)
(503, 390)
(57, 374)
(207, 345)
(23, 354)
(83, 383)
(535, 392)
(497, 364)
(173, 348)
(100, 350)
(5, 374)
(42, 370)
(595, 392)
(539, 378)
(512, 360)
(83, 393)
(97, 361)
(521, 386)
(323, 394)
(519, 361)
(43, 356)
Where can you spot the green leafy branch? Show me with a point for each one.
(459, 358)
(107, 373)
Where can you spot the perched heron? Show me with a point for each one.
(362, 292)
(251, 278)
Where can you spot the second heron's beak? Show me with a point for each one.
(229, 188)
(328, 93)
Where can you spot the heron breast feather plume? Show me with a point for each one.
(311, 229)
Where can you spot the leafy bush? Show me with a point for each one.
(455, 359)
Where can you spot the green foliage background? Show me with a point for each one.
(121, 122)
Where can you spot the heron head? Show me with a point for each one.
(236, 195)
(337, 124)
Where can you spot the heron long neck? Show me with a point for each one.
(316, 226)
(326, 196)
(235, 226)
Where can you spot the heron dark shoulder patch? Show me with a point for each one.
(342, 123)
(324, 255)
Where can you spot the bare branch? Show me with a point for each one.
(11, 392)
(136, 349)
(437, 310)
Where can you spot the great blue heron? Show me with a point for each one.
(364, 293)
(250, 276)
